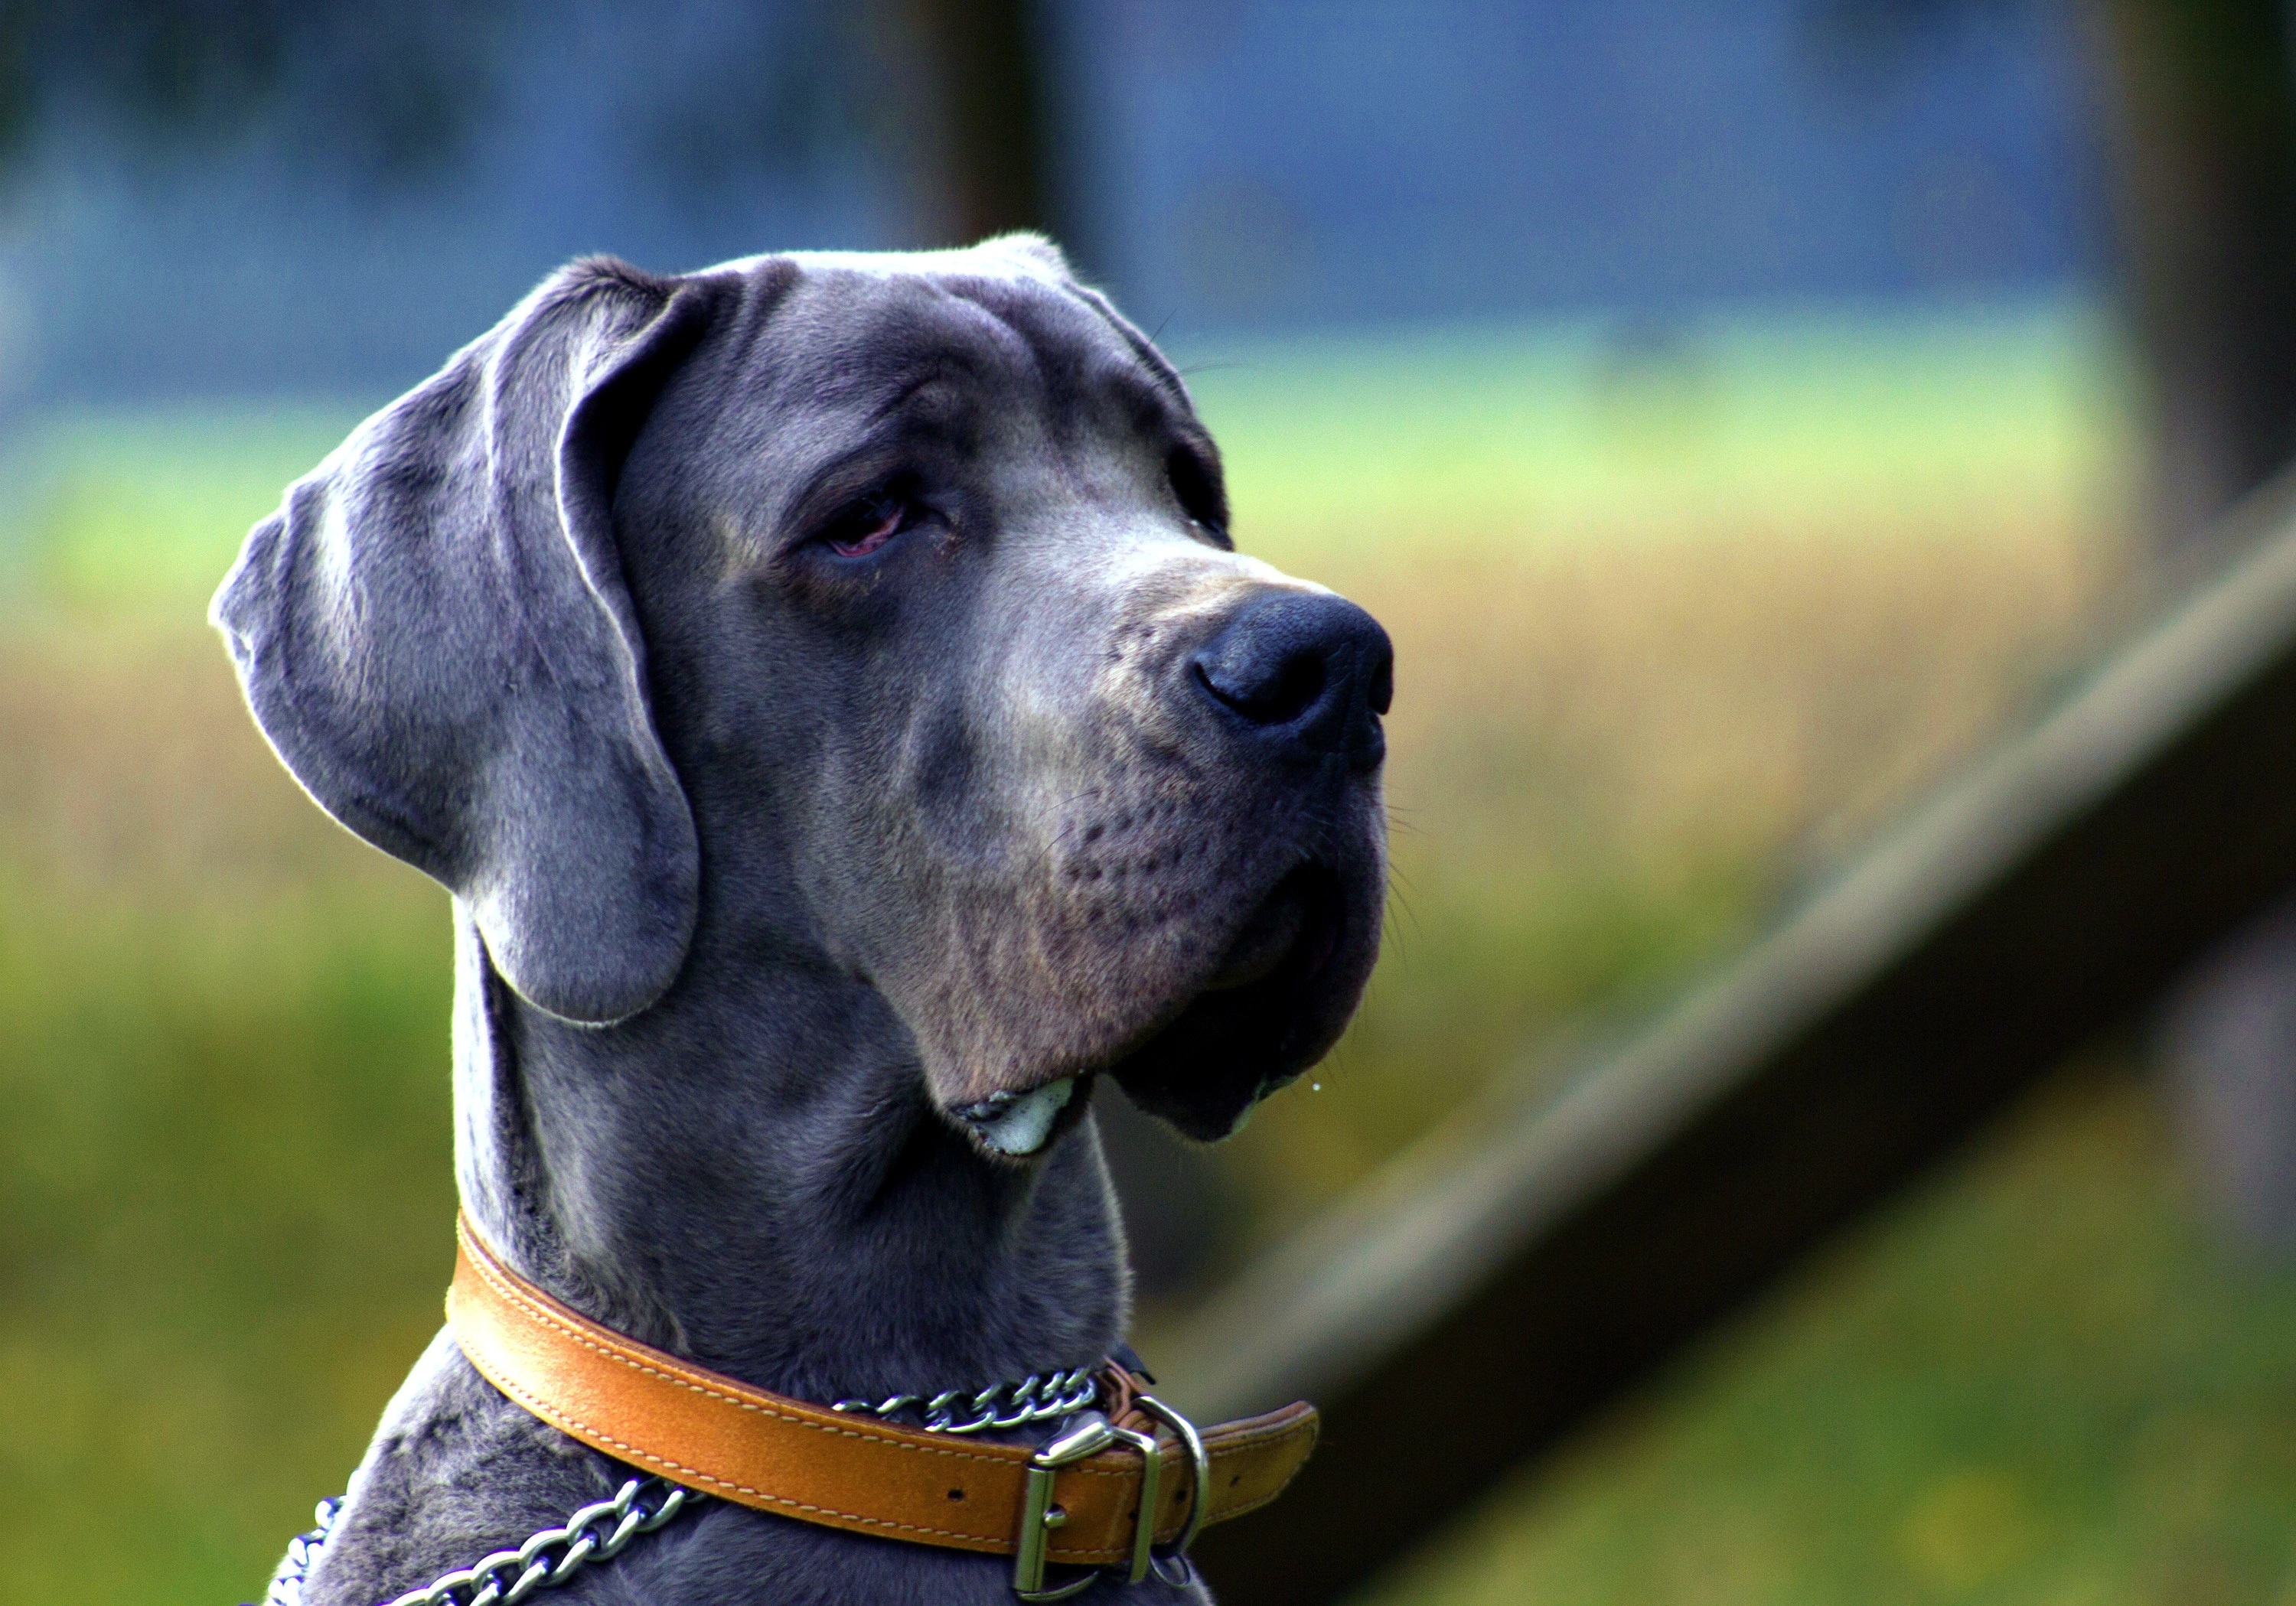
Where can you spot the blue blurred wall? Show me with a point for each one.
(277, 264)
(1317, 161)
(1277, 164)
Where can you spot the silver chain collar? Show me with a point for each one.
(1038, 1398)
(600, 1531)
(596, 1533)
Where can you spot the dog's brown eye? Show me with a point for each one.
(868, 525)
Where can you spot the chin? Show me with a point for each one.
(1273, 1009)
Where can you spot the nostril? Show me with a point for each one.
(1266, 698)
(1307, 674)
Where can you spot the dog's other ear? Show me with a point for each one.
(435, 635)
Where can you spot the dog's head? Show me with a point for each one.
(881, 606)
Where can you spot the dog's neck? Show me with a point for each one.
(751, 1175)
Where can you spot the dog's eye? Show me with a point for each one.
(868, 524)
(1199, 491)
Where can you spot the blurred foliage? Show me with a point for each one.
(2038, 1379)
(1648, 683)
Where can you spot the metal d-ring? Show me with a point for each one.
(1200, 1466)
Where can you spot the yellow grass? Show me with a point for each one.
(1610, 761)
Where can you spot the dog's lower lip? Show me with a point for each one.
(1018, 1123)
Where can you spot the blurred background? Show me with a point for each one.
(1741, 415)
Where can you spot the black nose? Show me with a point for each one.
(1309, 675)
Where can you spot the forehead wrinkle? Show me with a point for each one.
(1127, 376)
(1008, 341)
(882, 336)
(1082, 370)
(874, 377)
(905, 393)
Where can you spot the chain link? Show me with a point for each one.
(598, 1532)
(303, 1550)
(1040, 1396)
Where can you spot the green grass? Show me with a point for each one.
(1478, 436)
(1671, 628)
(228, 1216)
(2037, 1379)
(143, 509)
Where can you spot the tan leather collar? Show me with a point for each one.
(724, 1437)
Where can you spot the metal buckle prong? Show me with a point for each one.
(1039, 1516)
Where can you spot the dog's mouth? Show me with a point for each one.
(1018, 1123)
(1266, 1012)
(1246, 1011)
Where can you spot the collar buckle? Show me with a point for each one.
(1089, 1434)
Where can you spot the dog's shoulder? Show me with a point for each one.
(455, 1471)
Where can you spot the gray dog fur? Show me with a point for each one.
(771, 863)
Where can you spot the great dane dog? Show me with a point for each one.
(827, 686)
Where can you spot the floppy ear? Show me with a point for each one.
(435, 635)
